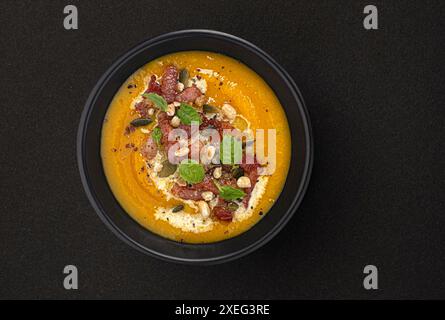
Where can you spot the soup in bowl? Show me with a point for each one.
(189, 147)
(195, 147)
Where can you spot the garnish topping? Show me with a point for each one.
(187, 114)
(157, 100)
(191, 171)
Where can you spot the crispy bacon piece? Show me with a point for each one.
(166, 127)
(207, 185)
(188, 95)
(193, 192)
(216, 124)
(186, 193)
(251, 171)
(169, 81)
(129, 129)
(142, 108)
(222, 213)
(186, 128)
(228, 181)
(249, 167)
(149, 149)
(154, 86)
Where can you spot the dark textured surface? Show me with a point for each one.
(376, 99)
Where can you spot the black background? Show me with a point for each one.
(376, 101)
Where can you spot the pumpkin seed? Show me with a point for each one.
(237, 172)
(141, 122)
(178, 208)
(207, 108)
(167, 169)
(183, 76)
(232, 206)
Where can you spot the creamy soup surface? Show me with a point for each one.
(190, 205)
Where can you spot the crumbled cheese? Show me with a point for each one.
(258, 191)
(146, 131)
(134, 101)
(185, 221)
(201, 84)
(189, 83)
(196, 223)
(208, 72)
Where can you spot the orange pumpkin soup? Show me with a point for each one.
(195, 188)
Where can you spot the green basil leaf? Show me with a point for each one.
(157, 100)
(191, 171)
(157, 135)
(187, 114)
(230, 150)
(229, 193)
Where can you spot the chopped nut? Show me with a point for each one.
(175, 121)
(217, 173)
(249, 134)
(189, 83)
(151, 111)
(180, 87)
(214, 202)
(181, 182)
(201, 100)
(157, 167)
(207, 195)
(204, 208)
(207, 154)
(171, 110)
(243, 182)
(228, 111)
(216, 160)
(182, 152)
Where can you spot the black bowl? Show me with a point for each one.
(99, 192)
